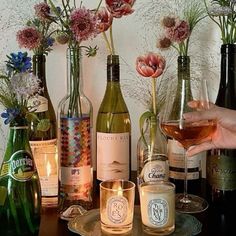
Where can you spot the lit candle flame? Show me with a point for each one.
(117, 186)
(49, 169)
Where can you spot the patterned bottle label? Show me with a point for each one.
(117, 208)
(20, 166)
(221, 172)
(158, 212)
(76, 167)
(113, 156)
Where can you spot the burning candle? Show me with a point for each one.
(117, 206)
(157, 201)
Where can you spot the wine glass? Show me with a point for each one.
(187, 133)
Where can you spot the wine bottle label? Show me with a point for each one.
(117, 208)
(221, 172)
(46, 160)
(20, 166)
(176, 162)
(76, 170)
(155, 170)
(38, 104)
(113, 156)
(158, 211)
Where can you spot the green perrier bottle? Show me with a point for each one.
(20, 199)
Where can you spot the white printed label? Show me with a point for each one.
(46, 160)
(155, 170)
(39, 103)
(158, 212)
(76, 175)
(113, 156)
(117, 208)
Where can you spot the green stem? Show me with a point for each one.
(154, 102)
(112, 41)
(107, 42)
(98, 6)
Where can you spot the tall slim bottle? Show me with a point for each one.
(174, 149)
(221, 163)
(44, 141)
(113, 129)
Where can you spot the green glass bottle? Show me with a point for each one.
(20, 199)
(41, 141)
(113, 129)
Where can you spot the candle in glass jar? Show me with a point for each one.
(157, 201)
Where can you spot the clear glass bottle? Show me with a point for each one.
(44, 141)
(75, 132)
(152, 161)
(174, 149)
(20, 198)
(113, 129)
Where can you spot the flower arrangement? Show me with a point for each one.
(17, 88)
(37, 35)
(152, 66)
(177, 31)
(113, 9)
(223, 13)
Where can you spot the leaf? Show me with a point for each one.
(43, 125)
(31, 116)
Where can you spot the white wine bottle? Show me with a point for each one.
(45, 142)
(113, 129)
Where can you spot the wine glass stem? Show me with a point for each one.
(185, 199)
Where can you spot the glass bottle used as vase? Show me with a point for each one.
(75, 131)
(221, 163)
(42, 142)
(113, 129)
(175, 151)
(20, 200)
(151, 155)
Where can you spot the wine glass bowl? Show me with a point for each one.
(187, 133)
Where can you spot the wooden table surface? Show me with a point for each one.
(214, 223)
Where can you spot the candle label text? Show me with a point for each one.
(158, 211)
(117, 208)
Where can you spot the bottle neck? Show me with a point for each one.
(113, 68)
(74, 71)
(183, 68)
(39, 69)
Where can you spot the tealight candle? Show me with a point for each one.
(157, 201)
(117, 206)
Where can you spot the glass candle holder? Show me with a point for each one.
(157, 200)
(117, 206)
(47, 167)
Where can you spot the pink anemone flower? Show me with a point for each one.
(105, 19)
(119, 8)
(150, 65)
(42, 11)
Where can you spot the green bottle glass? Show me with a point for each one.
(113, 129)
(41, 141)
(20, 199)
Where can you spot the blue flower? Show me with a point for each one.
(19, 62)
(10, 114)
(50, 41)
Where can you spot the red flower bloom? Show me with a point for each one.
(179, 32)
(42, 11)
(83, 24)
(29, 38)
(150, 65)
(105, 19)
(119, 8)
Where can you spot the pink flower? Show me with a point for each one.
(163, 43)
(83, 24)
(179, 32)
(150, 65)
(168, 21)
(29, 38)
(105, 19)
(42, 11)
(119, 8)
